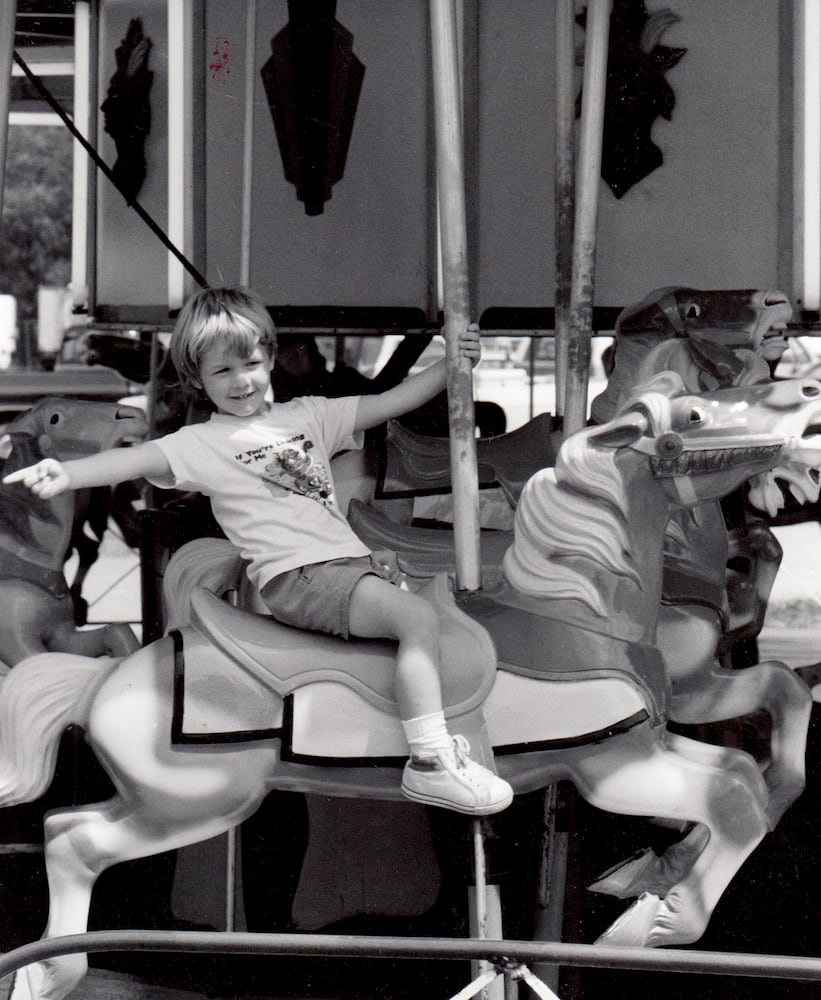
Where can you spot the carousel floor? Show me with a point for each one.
(101, 984)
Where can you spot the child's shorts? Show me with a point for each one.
(317, 597)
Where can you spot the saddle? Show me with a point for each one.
(259, 664)
(417, 465)
(531, 644)
(421, 551)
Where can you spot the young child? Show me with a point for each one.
(266, 468)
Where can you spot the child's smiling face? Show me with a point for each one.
(236, 385)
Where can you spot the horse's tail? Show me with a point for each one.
(212, 563)
(39, 699)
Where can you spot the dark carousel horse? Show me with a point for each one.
(36, 536)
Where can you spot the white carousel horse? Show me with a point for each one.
(712, 339)
(719, 339)
(197, 727)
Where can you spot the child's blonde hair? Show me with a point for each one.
(234, 318)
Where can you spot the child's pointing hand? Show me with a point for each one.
(46, 479)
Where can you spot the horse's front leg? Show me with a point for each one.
(636, 774)
(658, 873)
(774, 687)
(704, 691)
(116, 639)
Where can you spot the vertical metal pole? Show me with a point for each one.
(451, 189)
(8, 20)
(486, 915)
(550, 900)
(586, 213)
(232, 859)
(808, 80)
(179, 143)
(564, 168)
(80, 168)
(93, 133)
(248, 143)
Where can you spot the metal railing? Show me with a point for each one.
(508, 958)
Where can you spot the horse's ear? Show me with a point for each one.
(667, 383)
(5, 446)
(621, 431)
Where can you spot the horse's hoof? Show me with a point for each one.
(27, 983)
(810, 675)
(648, 872)
(634, 927)
(628, 878)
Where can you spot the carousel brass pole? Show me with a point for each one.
(450, 175)
(586, 212)
(564, 167)
(8, 21)
(248, 143)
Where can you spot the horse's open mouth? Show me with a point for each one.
(706, 460)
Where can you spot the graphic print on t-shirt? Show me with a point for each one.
(293, 467)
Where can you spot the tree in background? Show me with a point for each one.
(36, 233)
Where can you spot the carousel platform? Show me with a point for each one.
(102, 984)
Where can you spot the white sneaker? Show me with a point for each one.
(453, 781)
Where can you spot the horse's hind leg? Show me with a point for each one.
(80, 843)
(636, 774)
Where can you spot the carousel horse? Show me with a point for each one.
(717, 584)
(712, 339)
(551, 673)
(37, 535)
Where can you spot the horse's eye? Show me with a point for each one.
(810, 390)
(692, 311)
(55, 418)
(695, 416)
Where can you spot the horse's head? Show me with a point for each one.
(734, 318)
(713, 339)
(704, 446)
(63, 429)
(68, 428)
(592, 528)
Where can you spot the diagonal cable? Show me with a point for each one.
(55, 105)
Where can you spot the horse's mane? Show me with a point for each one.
(576, 512)
(19, 508)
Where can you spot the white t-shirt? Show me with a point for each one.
(269, 481)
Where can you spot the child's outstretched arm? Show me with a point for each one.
(48, 478)
(416, 390)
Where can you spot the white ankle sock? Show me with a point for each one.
(426, 734)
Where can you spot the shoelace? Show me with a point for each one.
(461, 749)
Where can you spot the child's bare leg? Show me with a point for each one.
(379, 610)
(439, 771)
